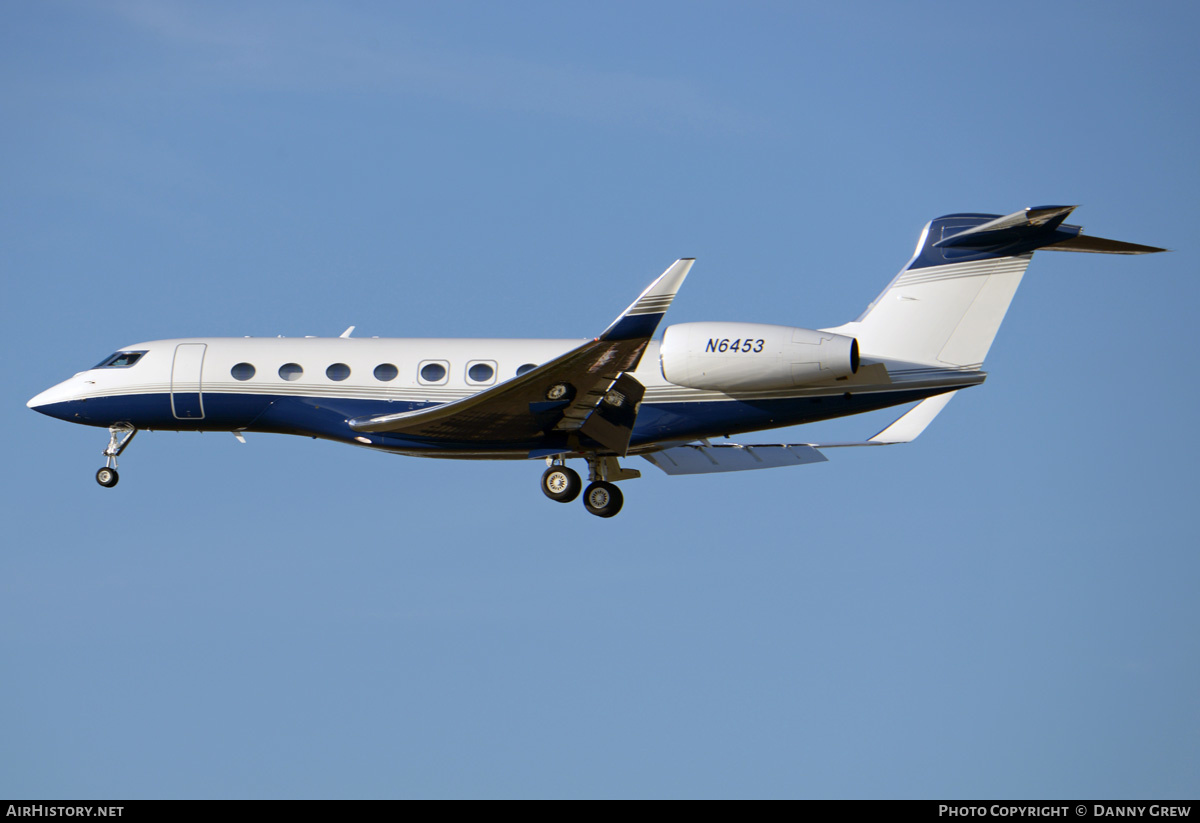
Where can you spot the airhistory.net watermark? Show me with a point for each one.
(40, 810)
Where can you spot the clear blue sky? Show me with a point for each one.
(1006, 608)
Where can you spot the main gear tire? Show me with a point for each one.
(603, 499)
(561, 484)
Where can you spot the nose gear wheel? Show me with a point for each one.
(120, 435)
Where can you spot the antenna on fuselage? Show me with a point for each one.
(346, 333)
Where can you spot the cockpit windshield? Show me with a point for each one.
(120, 360)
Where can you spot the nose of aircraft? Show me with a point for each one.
(53, 400)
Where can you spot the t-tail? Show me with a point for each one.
(945, 307)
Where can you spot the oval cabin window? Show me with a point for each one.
(433, 372)
(481, 372)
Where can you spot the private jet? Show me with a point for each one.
(619, 395)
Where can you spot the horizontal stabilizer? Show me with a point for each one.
(1023, 231)
(1020, 224)
(1101, 245)
(731, 457)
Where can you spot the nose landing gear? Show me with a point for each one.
(601, 497)
(120, 435)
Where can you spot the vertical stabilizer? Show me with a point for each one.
(945, 307)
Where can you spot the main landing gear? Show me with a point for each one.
(602, 498)
(561, 484)
(120, 435)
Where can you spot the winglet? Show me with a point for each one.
(642, 317)
(915, 421)
(905, 429)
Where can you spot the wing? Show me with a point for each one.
(707, 458)
(557, 396)
(733, 457)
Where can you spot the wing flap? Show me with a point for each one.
(611, 424)
(732, 457)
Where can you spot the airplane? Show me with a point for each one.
(616, 396)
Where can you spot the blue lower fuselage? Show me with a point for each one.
(327, 417)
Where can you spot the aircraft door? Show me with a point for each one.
(186, 403)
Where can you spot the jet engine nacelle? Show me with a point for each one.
(738, 357)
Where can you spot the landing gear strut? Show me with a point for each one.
(120, 435)
(601, 497)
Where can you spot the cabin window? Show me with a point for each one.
(120, 360)
(386, 372)
(291, 371)
(242, 371)
(481, 371)
(527, 367)
(338, 371)
(433, 371)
